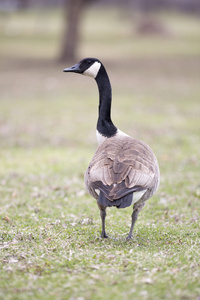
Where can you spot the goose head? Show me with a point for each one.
(87, 66)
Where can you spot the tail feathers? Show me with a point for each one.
(119, 203)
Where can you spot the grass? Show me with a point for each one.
(49, 227)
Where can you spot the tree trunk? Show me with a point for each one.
(73, 11)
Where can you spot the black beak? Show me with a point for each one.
(74, 69)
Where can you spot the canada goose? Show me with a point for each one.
(123, 170)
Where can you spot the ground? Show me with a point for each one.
(49, 226)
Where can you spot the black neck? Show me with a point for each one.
(105, 125)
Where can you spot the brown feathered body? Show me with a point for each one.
(123, 170)
(120, 166)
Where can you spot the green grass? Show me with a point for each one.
(49, 227)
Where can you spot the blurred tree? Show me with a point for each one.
(73, 10)
(146, 22)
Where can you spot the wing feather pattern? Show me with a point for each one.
(121, 165)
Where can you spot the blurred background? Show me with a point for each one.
(151, 50)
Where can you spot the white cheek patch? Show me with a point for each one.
(93, 70)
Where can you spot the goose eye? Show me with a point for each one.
(88, 62)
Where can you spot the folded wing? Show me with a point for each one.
(120, 166)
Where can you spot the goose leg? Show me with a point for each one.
(103, 216)
(134, 219)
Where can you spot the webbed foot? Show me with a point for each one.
(104, 235)
(129, 237)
